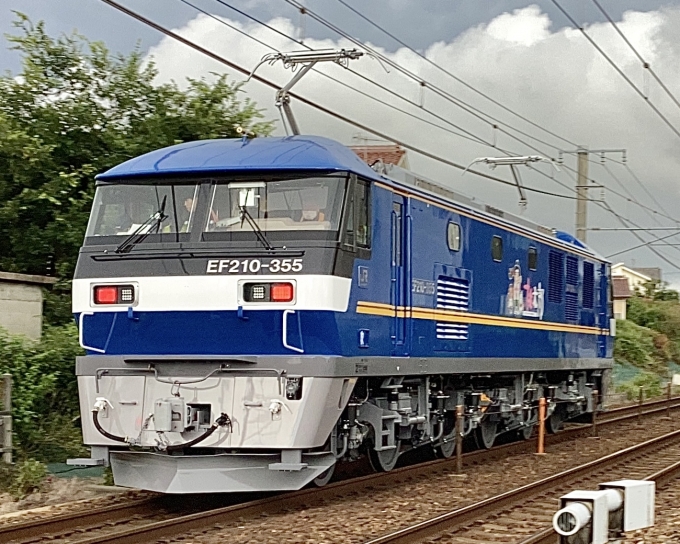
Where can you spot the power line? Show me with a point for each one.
(624, 222)
(460, 103)
(466, 135)
(421, 81)
(345, 119)
(633, 200)
(334, 28)
(474, 139)
(454, 100)
(645, 64)
(319, 107)
(641, 245)
(461, 81)
(618, 70)
(651, 212)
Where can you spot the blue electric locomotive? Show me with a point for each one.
(254, 310)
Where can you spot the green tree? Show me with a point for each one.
(75, 110)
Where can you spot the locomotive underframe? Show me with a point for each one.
(289, 419)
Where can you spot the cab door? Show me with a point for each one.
(399, 275)
(605, 309)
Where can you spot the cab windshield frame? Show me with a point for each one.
(195, 227)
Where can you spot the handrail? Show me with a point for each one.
(81, 319)
(286, 313)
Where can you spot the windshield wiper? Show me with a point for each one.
(245, 214)
(142, 231)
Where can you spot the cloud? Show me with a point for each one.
(552, 76)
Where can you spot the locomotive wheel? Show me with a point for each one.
(554, 423)
(385, 460)
(325, 477)
(447, 446)
(526, 432)
(485, 434)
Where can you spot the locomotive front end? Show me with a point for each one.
(207, 298)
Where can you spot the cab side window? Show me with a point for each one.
(358, 220)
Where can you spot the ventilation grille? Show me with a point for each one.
(452, 294)
(572, 271)
(588, 285)
(571, 306)
(555, 276)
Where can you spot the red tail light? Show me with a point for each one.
(113, 294)
(105, 295)
(281, 292)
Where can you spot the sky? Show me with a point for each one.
(525, 56)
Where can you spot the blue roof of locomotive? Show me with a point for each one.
(238, 156)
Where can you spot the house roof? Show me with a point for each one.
(653, 273)
(389, 154)
(26, 278)
(241, 156)
(629, 271)
(620, 287)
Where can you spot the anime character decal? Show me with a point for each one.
(523, 300)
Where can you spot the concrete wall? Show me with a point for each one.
(620, 308)
(21, 303)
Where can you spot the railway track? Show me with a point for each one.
(155, 518)
(502, 517)
(661, 478)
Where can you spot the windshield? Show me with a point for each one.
(120, 210)
(299, 204)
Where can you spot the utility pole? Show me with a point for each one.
(582, 183)
(582, 194)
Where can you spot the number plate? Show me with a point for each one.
(253, 266)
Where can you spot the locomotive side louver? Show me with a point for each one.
(452, 294)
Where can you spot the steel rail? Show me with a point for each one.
(661, 477)
(66, 521)
(98, 515)
(450, 521)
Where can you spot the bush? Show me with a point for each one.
(662, 315)
(641, 347)
(650, 383)
(29, 477)
(45, 392)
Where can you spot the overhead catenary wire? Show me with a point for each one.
(465, 134)
(342, 33)
(649, 213)
(464, 83)
(343, 118)
(644, 188)
(645, 64)
(319, 107)
(409, 74)
(640, 245)
(471, 137)
(621, 218)
(468, 135)
(646, 243)
(616, 67)
(463, 105)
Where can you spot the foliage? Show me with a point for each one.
(8, 474)
(108, 476)
(657, 290)
(662, 316)
(44, 396)
(75, 110)
(29, 477)
(648, 381)
(641, 347)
